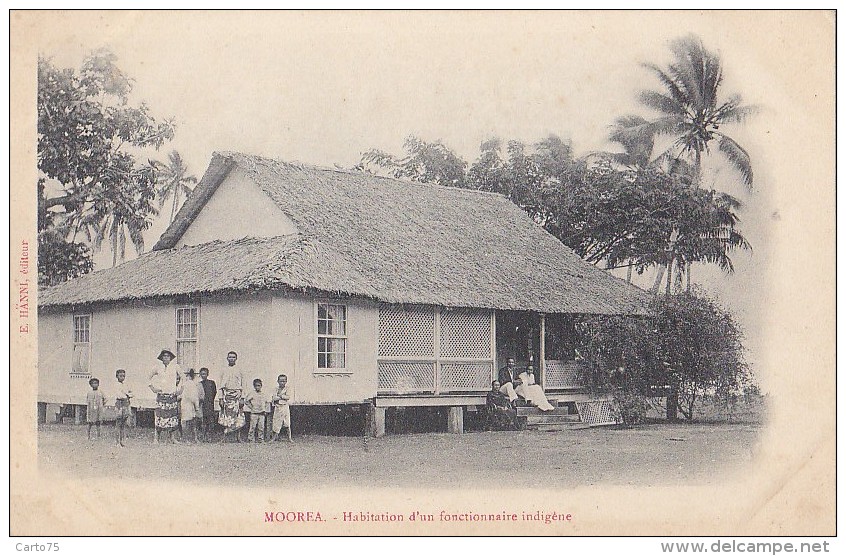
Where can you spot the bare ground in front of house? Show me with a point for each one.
(655, 454)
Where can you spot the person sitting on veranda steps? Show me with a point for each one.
(507, 374)
(526, 387)
(499, 413)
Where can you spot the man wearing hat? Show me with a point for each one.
(165, 382)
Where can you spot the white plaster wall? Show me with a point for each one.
(122, 337)
(55, 348)
(296, 318)
(238, 208)
(272, 333)
(241, 324)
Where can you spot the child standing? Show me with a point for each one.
(281, 410)
(207, 402)
(189, 406)
(96, 401)
(256, 403)
(122, 397)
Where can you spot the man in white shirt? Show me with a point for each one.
(231, 398)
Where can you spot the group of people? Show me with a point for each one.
(506, 393)
(187, 405)
(185, 402)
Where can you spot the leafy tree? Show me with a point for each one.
(430, 162)
(59, 259)
(690, 346)
(125, 213)
(620, 356)
(174, 182)
(701, 348)
(526, 175)
(89, 140)
(624, 219)
(489, 172)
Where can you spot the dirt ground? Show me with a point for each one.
(655, 454)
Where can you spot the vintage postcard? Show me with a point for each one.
(422, 273)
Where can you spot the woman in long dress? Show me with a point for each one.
(500, 414)
(165, 383)
(531, 391)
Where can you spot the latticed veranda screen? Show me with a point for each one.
(564, 375)
(596, 412)
(406, 332)
(466, 334)
(434, 350)
(406, 377)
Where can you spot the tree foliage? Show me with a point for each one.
(59, 259)
(430, 162)
(610, 215)
(689, 111)
(91, 177)
(690, 345)
(174, 182)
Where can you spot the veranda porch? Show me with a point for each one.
(445, 357)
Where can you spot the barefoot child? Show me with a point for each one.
(256, 403)
(281, 410)
(209, 389)
(189, 407)
(122, 396)
(96, 401)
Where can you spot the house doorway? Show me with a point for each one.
(517, 336)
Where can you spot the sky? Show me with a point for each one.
(322, 88)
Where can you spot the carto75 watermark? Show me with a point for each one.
(37, 547)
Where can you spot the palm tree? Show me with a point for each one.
(690, 110)
(637, 147)
(123, 212)
(173, 182)
(691, 113)
(117, 224)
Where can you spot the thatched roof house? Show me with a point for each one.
(361, 235)
(358, 287)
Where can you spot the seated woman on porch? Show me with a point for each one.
(500, 414)
(532, 391)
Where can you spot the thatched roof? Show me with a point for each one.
(362, 235)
